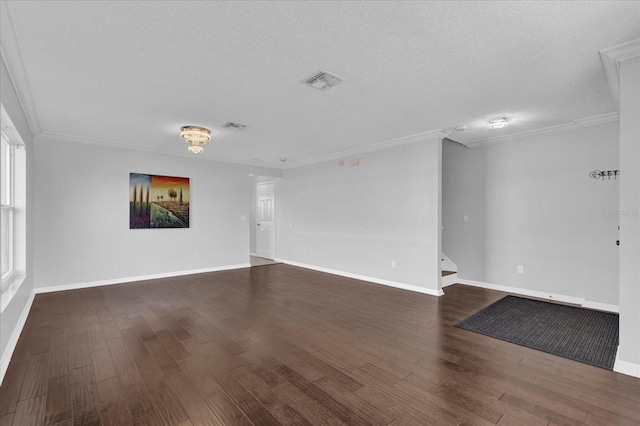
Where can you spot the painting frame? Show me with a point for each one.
(159, 201)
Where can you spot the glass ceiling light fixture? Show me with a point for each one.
(196, 137)
(499, 123)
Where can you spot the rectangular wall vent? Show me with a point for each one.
(322, 80)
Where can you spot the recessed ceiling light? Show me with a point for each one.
(499, 123)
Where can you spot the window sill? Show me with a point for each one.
(10, 288)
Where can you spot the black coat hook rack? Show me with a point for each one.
(605, 174)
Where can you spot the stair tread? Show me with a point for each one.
(445, 273)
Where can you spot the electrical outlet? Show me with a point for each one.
(465, 218)
(520, 269)
(393, 264)
(197, 253)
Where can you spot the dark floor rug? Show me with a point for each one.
(580, 334)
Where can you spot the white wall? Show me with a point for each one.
(81, 215)
(532, 203)
(357, 219)
(629, 349)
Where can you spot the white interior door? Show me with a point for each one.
(265, 233)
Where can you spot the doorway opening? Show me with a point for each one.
(263, 235)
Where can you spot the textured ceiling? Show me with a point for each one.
(128, 72)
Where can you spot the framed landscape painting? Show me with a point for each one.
(158, 201)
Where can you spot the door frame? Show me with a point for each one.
(257, 182)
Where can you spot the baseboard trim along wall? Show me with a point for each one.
(13, 341)
(543, 295)
(624, 367)
(88, 284)
(601, 306)
(15, 335)
(364, 278)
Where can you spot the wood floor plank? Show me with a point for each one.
(132, 384)
(103, 365)
(334, 406)
(202, 380)
(79, 351)
(11, 387)
(540, 411)
(173, 345)
(310, 409)
(168, 407)
(6, 420)
(193, 403)
(616, 412)
(59, 402)
(66, 422)
(365, 409)
(59, 359)
(36, 377)
(162, 357)
(30, 411)
(85, 397)
(110, 329)
(228, 412)
(263, 393)
(151, 374)
(97, 339)
(285, 345)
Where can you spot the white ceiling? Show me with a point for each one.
(133, 72)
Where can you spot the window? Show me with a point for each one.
(6, 232)
(12, 214)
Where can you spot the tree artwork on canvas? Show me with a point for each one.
(158, 201)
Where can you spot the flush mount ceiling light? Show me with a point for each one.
(196, 137)
(499, 123)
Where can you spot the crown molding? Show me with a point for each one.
(577, 124)
(405, 140)
(57, 137)
(12, 59)
(611, 59)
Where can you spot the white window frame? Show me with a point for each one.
(8, 206)
(13, 171)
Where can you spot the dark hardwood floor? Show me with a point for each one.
(283, 345)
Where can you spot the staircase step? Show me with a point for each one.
(445, 273)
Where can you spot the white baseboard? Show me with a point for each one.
(624, 367)
(88, 284)
(543, 295)
(449, 280)
(395, 284)
(601, 306)
(524, 292)
(13, 340)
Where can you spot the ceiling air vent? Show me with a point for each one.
(322, 80)
(234, 126)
